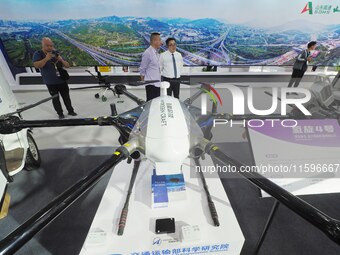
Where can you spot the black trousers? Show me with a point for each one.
(64, 91)
(174, 86)
(152, 92)
(296, 78)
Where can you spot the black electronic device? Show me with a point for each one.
(165, 226)
(55, 53)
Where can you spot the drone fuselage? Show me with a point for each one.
(165, 136)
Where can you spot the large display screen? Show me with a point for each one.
(214, 32)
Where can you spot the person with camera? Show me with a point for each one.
(51, 66)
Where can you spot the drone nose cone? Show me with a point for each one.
(164, 86)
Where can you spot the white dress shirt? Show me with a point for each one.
(149, 67)
(167, 66)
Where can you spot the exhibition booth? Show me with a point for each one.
(243, 160)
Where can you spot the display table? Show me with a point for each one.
(139, 235)
(80, 77)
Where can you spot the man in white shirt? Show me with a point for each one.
(149, 67)
(171, 64)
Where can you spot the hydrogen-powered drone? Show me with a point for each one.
(104, 85)
(165, 131)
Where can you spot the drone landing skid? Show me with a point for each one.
(102, 92)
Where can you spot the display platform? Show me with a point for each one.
(81, 77)
(139, 235)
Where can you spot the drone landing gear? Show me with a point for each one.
(102, 92)
(212, 208)
(123, 216)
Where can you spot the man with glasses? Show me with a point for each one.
(171, 64)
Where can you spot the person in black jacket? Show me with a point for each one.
(301, 64)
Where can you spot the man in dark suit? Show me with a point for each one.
(301, 64)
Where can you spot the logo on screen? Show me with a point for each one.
(320, 9)
(309, 8)
(240, 99)
(213, 94)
